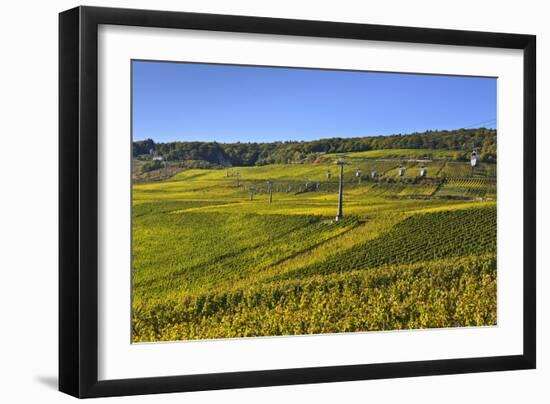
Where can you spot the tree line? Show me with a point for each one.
(213, 154)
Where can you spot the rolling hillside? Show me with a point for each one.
(212, 258)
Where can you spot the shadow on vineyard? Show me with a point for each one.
(422, 237)
(276, 249)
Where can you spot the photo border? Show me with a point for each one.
(78, 201)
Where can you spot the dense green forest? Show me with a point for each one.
(212, 154)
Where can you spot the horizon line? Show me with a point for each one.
(319, 139)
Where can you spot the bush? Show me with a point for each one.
(459, 156)
(488, 157)
(152, 165)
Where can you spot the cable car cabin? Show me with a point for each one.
(358, 173)
(401, 171)
(373, 174)
(475, 159)
(423, 171)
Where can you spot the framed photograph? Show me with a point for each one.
(251, 201)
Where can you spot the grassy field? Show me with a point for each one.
(212, 258)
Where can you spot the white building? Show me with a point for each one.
(475, 159)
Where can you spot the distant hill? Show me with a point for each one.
(214, 154)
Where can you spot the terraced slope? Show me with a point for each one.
(469, 188)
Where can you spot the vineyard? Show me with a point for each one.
(469, 188)
(421, 237)
(448, 293)
(213, 258)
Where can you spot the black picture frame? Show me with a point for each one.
(78, 201)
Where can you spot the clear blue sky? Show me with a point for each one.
(204, 102)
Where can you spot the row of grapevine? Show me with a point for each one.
(448, 293)
(196, 250)
(469, 187)
(420, 237)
